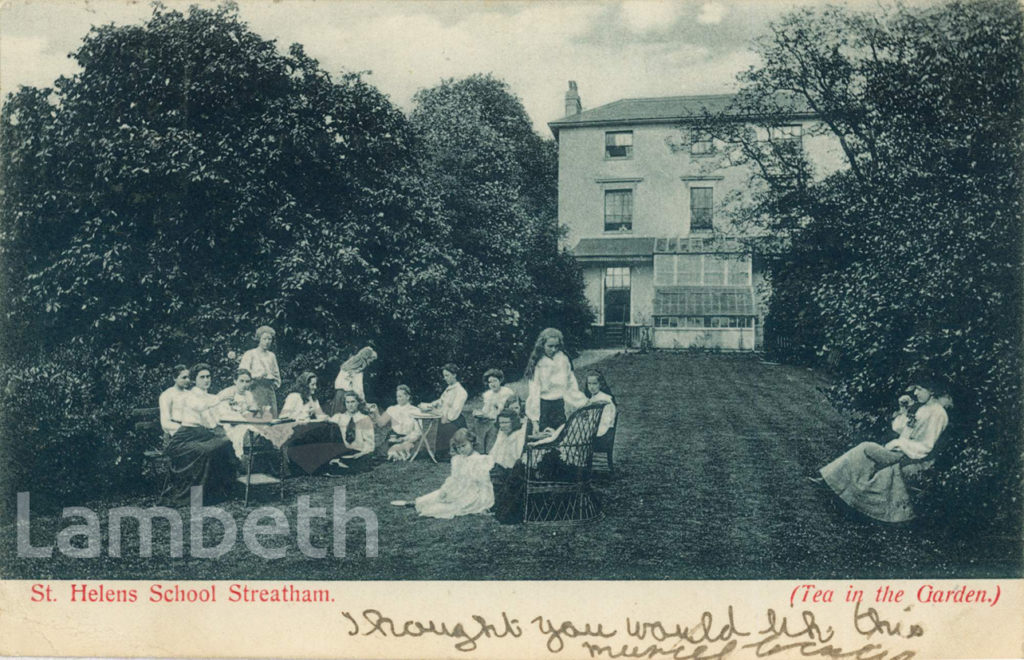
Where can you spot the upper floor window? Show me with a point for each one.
(618, 144)
(792, 136)
(701, 204)
(618, 210)
(700, 142)
(616, 278)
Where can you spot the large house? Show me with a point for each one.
(643, 199)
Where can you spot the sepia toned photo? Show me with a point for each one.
(647, 295)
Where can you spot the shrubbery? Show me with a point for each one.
(192, 183)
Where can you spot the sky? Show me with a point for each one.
(614, 50)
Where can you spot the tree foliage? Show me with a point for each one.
(497, 184)
(908, 259)
(193, 182)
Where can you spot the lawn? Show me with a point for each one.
(712, 454)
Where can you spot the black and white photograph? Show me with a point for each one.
(302, 292)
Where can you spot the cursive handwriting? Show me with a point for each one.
(696, 635)
(868, 623)
(809, 640)
(468, 635)
(569, 629)
(678, 652)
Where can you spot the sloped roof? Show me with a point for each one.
(614, 246)
(704, 301)
(652, 110)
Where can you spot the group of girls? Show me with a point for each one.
(205, 446)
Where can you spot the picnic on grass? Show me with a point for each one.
(538, 454)
(516, 459)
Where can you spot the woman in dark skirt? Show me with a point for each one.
(200, 452)
(449, 406)
(315, 440)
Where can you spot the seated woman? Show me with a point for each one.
(508, 445)
(468, 490)
(356, 431)
(239, 402)
(404, 430)
(598, 390)
(315, 440)
(200, 453)
(449, 406)
(172, 401)
(350, 377)
(869, 477)
(494, 399)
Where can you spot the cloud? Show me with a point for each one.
(642, 16)
(711, 13)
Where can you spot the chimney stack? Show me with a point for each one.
(572, 100)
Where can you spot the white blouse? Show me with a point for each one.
(200, 409)
(402, 421)
(172, 404)
(553, 379)
(608, 413)
(918, 440)
(493, 401)
(350, 381)
(262, 365)
(301, 411)
(451, 402)
(508, 448)
(365, 440)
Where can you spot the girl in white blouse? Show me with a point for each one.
(552, 383)
(405, 430)
(449, 407)
(350, 377)
(598, 390)
(261, 363)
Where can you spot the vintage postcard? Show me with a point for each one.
(639, 329)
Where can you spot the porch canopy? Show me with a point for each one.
(704, 301)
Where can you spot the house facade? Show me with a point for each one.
(646, 202)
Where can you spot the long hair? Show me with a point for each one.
(538, 348)
(600, 381)
(360, 360)
(301, 385)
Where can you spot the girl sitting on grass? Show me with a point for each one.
(468, 490)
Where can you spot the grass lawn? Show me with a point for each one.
(712, 454)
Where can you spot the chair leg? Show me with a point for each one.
(248, 477)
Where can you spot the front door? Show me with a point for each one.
(616, 296)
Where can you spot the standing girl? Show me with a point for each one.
(350, 377)
(553, 384)
(262, 365)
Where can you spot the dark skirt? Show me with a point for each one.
(552, 414)
(313, 445)
(200, 457)
(509, 490)
(444, 435)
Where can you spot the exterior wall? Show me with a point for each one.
(661, 160)
(734, 339)
(593, 285)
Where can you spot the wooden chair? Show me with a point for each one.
(147, 422)
(559, 473)
(250, 451)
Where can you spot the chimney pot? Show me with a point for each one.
(573, 106)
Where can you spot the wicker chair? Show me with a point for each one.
(558, 474)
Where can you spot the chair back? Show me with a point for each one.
(576, 442)
(147, 420)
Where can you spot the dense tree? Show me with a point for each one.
(908, 259)
(497, 184)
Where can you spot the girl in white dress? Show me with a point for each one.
(404, 429)
(468, 490)
(508, 446)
